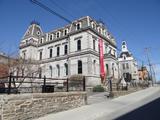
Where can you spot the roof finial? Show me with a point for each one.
(35, 22)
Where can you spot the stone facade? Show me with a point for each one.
(29, 106)
(70, 50)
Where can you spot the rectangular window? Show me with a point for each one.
(24, 55)
(50, 53)
(127, 66)
(79, 67)
(58, 50)
(123, 65)
(94, 44)
(65, 49)
(40, 55)
(78, 45)
(107, 68)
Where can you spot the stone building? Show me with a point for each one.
(72, 49)
(143, 73)
(128, 67)
(4, 64)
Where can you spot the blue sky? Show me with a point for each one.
(136, 21)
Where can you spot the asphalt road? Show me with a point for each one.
(150, 111)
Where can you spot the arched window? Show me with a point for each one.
(66, 68)
(58, 34)
(107, 69)
(94, 66)
(79, 67)
(78, 26)
(65, 49)
(78, 45)
(51, 37)
(93, 25)
(40, 72)
(58, 70)
(51, 71)
(65, 31)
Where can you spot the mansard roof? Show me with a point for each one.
(85, 23)
(34, 29)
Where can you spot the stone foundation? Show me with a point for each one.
(29, 106)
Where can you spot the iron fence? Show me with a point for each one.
(28, 84)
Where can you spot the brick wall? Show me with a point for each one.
(29, 106)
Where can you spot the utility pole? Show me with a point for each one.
(154, 74)
(142, 71)
(150, 65)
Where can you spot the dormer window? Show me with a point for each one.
(78, 26)
(38, 33)
(65, 31)
(98, 29)
(51, 37)
(26, 41)
(93, 25)
(28, 32)
(58, 34)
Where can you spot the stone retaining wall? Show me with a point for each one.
(29, 106)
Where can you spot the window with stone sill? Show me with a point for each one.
(58, 51)
(94, 44)
(65, 49)
(50, 53)
(79, 67)
(78, 45)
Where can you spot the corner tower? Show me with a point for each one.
(29, 42)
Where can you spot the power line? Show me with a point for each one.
(57, 14)
(58, 6)
(50, 10)
(149, 62)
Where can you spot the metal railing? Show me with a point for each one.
(28, 84)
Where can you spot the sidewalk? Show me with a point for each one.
(109, 109)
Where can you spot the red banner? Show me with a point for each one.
(101, 60)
